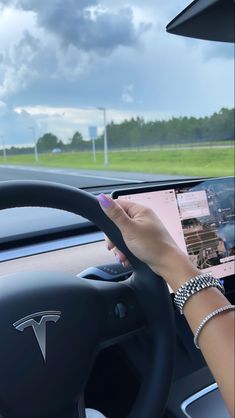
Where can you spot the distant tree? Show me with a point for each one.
(76, 139)
(48, 142)
(77, 142)
(20, 150)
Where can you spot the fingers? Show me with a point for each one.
(108, 243)
(120, 257)
(114, 211)
(118, 213)
(131, 208)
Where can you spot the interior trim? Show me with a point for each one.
(70, 260)
(45, 247)
(196, 396)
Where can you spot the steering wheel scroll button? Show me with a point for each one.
(108, 273)
(120, 310)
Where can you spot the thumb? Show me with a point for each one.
(114, 211)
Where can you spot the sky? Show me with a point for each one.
(62, 60)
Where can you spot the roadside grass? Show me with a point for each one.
(191, 162)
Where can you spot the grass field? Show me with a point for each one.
(192, 162)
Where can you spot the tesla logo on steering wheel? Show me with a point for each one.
(39, 327)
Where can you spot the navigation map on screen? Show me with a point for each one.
(201, 220)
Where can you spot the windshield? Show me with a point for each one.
(96, 93)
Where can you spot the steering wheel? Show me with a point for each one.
(53, 325)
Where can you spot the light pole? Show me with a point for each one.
(4, 149)
(32, 128)
(106, 160)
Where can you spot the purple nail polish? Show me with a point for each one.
(104, 200)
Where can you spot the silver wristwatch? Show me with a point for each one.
(194, 285)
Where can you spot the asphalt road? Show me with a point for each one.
(77, 178)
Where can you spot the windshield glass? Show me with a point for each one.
(96, 93)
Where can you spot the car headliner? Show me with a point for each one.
(205, 19)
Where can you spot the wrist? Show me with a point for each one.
(177, 268)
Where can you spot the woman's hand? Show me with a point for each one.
(148, 239)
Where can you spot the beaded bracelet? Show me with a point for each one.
(208, 318)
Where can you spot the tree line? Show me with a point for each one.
(181, 130)
(137, 132)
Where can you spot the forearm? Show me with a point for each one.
(149, 240)
(216, 339)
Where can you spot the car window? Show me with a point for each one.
(97, 92)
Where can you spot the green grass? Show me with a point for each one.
(191, 162)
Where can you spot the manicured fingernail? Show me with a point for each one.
(104, 200)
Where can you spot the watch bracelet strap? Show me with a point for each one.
(195, 285)
(208, 318)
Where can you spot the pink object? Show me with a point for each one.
(105, 201)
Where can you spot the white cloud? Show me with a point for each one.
(16, 80)
(13, 24)
(66, 55)
(127, 95)
(17, 69)
(87, 25)
(70, 42)
(16, 127)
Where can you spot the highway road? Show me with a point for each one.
(77, 178)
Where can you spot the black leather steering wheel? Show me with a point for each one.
(53, 325)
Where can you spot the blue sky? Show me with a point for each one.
(59, 60)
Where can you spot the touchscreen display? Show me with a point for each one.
(200, 218)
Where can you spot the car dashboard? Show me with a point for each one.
(204, 226)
